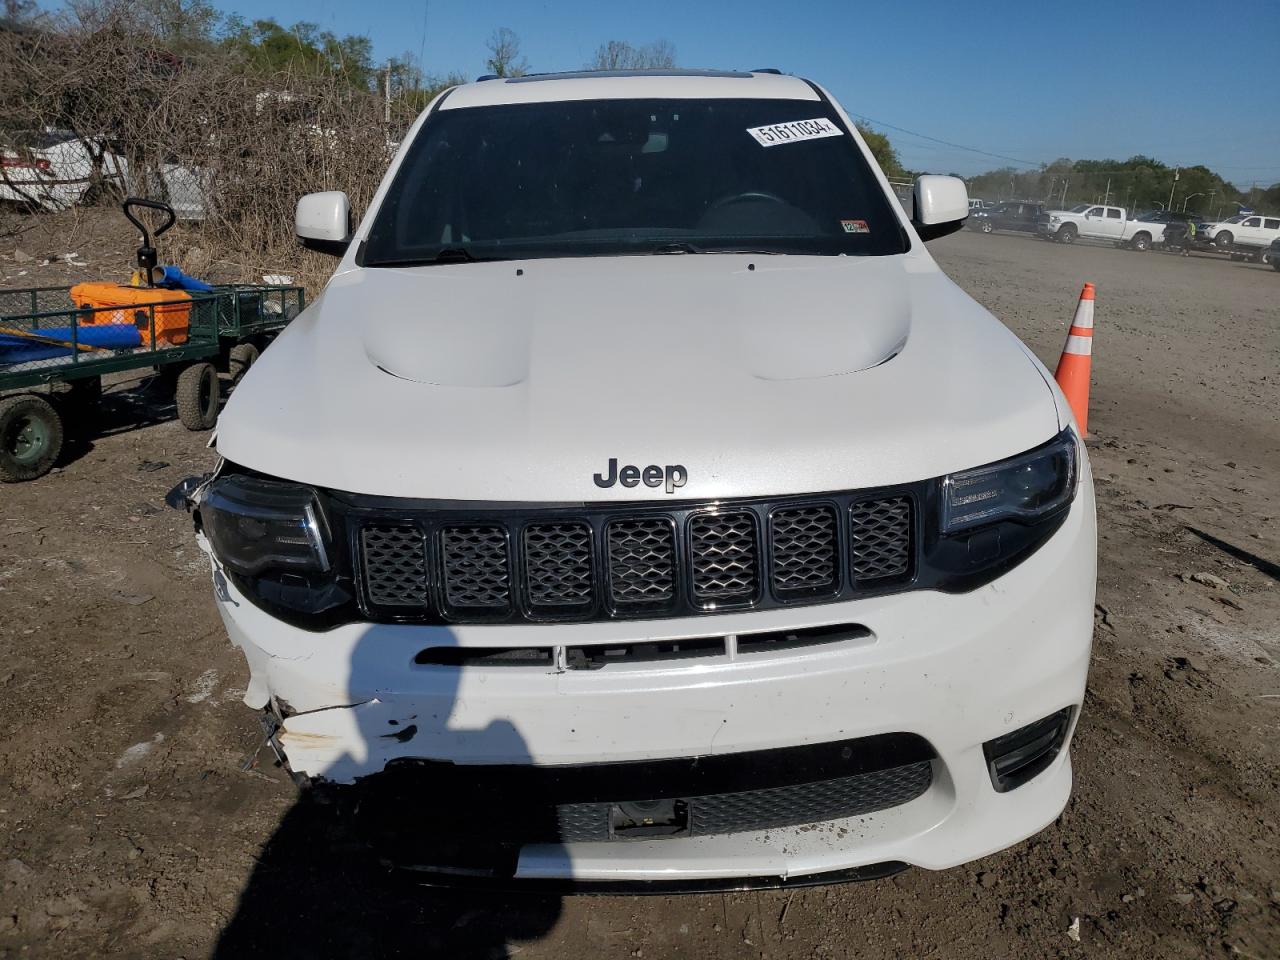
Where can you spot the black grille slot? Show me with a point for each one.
(596, 656)
(557, 565)
(805, 548)
(476, 569)
(777, 641)
(395, 565)
(642, 562)
(723, 556)
(880, 538)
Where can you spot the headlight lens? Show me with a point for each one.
(1055, 219)
(255, 525)
(1023, 488)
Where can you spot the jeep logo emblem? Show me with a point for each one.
(673, 474)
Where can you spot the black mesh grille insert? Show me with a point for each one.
(557, 563)
(476, 572)
(589, 561)
(395, 565)
(642, 562)
(880, 538)
(804, 549)
(769, 808)
(723, 556)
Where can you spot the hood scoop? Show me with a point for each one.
(798, 328)
(480, 340)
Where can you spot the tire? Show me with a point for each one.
(1222, 240)
(1264, 255)
(240, 359)
(30, 437)
(1067, 233)
(986, 226)
(1141, 242)
(197, 396)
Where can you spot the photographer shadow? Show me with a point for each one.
(339, 876)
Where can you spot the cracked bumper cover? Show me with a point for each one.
(957, 670)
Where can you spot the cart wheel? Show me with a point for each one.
(30, 437)
(240, 359)
(197, 396)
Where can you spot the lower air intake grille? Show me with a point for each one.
(881, 538)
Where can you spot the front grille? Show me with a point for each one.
(599, 562)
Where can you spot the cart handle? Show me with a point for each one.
(147, 256)
(150, 205)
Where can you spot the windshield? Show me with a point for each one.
(608, 177)
(1080, 208)
(1238, 218)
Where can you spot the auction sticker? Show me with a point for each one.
(794, 132)
(855, 226)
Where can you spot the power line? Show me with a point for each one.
(948, 143)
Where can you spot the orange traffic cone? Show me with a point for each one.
(1076, 360)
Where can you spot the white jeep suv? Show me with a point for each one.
(641, 504)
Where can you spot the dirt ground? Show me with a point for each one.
(129, 825)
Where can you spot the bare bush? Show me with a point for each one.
(229, 146)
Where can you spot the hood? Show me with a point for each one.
(518, 381)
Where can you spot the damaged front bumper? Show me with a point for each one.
(495, 758)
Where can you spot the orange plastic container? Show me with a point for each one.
(171, 309)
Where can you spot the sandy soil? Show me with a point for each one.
(130, 826)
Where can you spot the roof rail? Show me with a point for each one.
(768, 70)
(488, 76)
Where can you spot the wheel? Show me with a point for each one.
(986, 226)
(197, 396)
(1222, 240)
(1067, 233)
(30, 437)
(1141, 242)
(240, 359)
(1264, 255)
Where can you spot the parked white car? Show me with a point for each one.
(640, 503)
(56, 169)
(1249, 233)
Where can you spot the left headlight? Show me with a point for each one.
(1025, 488)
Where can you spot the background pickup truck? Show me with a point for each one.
(1092, 221)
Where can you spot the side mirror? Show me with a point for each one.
(941, 206)
(322, 222)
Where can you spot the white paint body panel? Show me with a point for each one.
(518, 381)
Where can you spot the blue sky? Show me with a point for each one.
(1029, 80)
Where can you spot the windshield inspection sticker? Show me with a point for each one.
(855, 226)
(795, 131)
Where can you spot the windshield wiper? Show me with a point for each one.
(683, 246)
(444, 255)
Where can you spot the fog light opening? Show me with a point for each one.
(1017, 757)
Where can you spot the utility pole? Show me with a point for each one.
(1065, 181)
(1107, 197)
(386, 107)
(1173, 186)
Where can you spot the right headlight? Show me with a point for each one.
(1024, 488)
